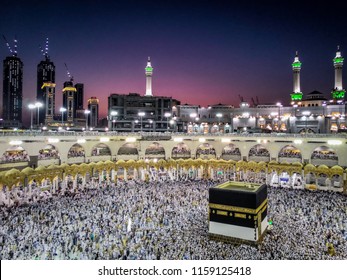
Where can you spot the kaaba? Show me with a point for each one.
(238, 212)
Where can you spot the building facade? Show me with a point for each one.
(93, 109)
(12, 97)
(141, 113)
(46, 89)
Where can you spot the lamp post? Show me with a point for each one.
(86, 113)
(218, 115)
(306, 114)
(38, 105)
(167, 115)
(62, 110)
(150, 125)
(31, 108)
(141, 115)
(113, 114)
(279, 105)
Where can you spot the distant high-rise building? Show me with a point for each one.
(45, 92)
(78, 99)
(12, 89)
(69, 92)
(93, 107)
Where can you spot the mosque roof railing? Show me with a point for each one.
(28, 133)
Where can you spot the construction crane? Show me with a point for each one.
(14, 50)
(68, 73)
(44, 52)
(241, 98)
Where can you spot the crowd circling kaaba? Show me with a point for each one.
(164, 220)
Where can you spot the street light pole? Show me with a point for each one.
(167, 115)
(38, 105)
(279, 104)
(306, 114)
(31, 108)
(150, 125)
(113, 114)
(141, 114)
(62, 110)
(86, 113)
(218, 115)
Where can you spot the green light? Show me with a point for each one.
(296, 96)
(338, 94)
(338, 60)
(149, 69)
(270, 222)
(296, 64)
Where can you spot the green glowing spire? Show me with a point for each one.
(338, 58)
(296, 64)
(149, 68)
(338, 94)
(296, 96)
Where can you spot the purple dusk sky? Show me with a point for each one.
(203, 52)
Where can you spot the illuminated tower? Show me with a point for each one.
(149, 72)
(12, 88)
(48, 101)
(296, 96)
(338, 92)
(69, 92)
(45, 92)
(93, 107)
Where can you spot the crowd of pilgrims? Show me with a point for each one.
(14, 156)
(291, 153)
(48, 154)
(324, 155)
(164, 220)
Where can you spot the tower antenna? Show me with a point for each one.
(8, 45)
(15, 45)
(68, 73)
(46, 48)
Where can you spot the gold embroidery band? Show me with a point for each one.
(238, 209)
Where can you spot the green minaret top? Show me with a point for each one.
(149, 68)
(296, 63)
(338, 58)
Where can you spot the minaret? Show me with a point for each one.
(297, 94)
(338, 92)
(149, 72)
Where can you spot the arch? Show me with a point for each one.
(181, 150)
(101, 149)
(230, 151)
(155, 150)
(259, 153)
(324, 155)
(205, 151)
(49, 152)
(14, 154)
(289, 154)
(76, 150)
(128, 149)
